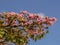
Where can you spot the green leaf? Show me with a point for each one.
(22, 40)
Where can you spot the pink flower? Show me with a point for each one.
(50, 23)
(38, 20)
(46, 17)
(36, 16)
(20, 15)
(44, 20)
(31, 16)
(7, 20)
(35, 32)
(27, 23)
(54, 19)
(10, 14)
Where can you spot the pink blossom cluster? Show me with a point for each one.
(20, 27)
(26, 21)
(49, 21)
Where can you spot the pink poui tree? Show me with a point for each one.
(19, 28)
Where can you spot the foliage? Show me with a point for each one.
(20, 27)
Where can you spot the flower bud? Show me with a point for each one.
(54, 19)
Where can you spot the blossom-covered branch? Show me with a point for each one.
(19, 27)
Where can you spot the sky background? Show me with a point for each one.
(50, 8)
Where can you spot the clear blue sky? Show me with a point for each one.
(48, 7)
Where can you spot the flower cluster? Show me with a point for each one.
(19, 27)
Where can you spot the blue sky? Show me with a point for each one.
(48, 7)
